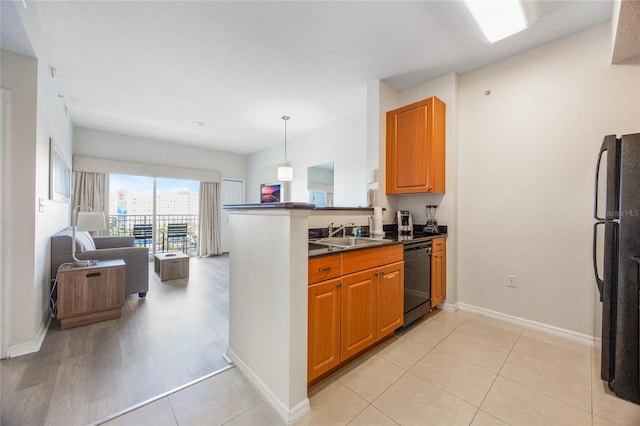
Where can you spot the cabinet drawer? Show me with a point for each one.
(324, 268)
(90, 290)
(359, 260)
(438, 244)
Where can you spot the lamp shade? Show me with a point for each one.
(91, 221)
(285, 173)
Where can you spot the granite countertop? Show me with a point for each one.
(292, 206)
(265, 206)
(390, 237)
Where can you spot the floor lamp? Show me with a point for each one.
(85, 221)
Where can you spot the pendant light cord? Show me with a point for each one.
(285, 118)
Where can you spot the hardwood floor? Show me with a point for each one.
(178, 334)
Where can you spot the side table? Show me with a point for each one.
(170, 266)
(89, 294)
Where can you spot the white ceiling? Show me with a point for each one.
(152, 68)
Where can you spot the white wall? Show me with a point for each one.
(115, 146)
(382, 98)
(37, 114)
(267, 305)
(344, 143)
(526, 169)
(19, 75)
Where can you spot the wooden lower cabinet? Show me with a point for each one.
(324, 327)
(358, 315)
(350, 313)
(438, 272)
(390, 299)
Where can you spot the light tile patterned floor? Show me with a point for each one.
(450, 369)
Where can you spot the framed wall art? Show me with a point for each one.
(271, 193)
(59, 175)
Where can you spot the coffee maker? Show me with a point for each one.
(405, 223)
(432, 225)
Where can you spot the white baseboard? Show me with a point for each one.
(30, 346)
(289, 415)
(448, 307)
(523, 322)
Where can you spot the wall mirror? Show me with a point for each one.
(320, 184)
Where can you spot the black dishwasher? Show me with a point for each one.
(417, 280)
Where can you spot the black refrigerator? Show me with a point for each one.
(619, 283)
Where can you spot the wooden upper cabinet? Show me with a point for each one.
(416, 148)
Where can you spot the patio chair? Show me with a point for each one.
(143, 234)
(176, 233)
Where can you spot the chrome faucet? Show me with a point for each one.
(342, 228)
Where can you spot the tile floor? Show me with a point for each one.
(450, 369)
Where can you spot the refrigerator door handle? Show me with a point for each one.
(603, 149)
(599, 281)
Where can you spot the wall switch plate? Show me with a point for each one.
(41, 205)
(511, 281)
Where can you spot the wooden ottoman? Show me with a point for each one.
(171, 266)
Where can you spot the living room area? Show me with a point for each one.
(176, 335)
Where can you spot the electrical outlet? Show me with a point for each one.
(511, 281)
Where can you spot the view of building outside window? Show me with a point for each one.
(131, 210)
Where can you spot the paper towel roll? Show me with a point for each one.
(377, 222)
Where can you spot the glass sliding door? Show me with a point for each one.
(160, 213)
(177, 214)
(131, 207)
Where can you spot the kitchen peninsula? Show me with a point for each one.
(268, 274)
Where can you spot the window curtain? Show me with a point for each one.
(208, 219)
(91, 189)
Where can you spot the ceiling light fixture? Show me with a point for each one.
(285, 173)
(497, 19)
(198, 123)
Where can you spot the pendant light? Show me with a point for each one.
(285, 173)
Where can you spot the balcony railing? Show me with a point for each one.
(122, 225)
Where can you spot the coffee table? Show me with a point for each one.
(171, 266)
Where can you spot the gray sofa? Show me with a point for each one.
(104, 248)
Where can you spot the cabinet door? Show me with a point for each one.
(109, 291)
(324, 328)
(416, 148)
(358, 314)
(90, 290)
(390, 298)
(438, 278)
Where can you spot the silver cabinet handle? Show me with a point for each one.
(328, 268)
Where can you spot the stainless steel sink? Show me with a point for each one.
(346, 242)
